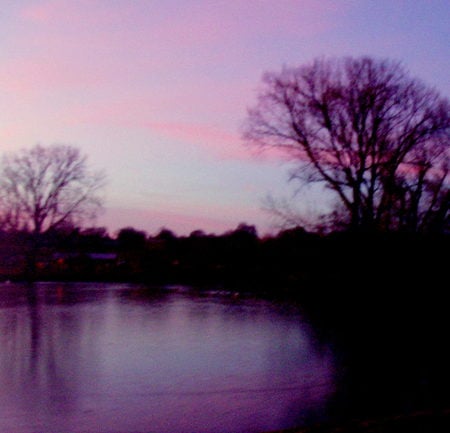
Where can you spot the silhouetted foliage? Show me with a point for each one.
(376, 137)
(44, 188)
(44, 191)
(131, 239)
(293, 261)
(166, 235)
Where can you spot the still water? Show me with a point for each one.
(104, 358)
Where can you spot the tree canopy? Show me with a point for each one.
(45, 187)
(378, 138)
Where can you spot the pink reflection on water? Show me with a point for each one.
(108, 360)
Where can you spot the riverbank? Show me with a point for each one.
(417, 422)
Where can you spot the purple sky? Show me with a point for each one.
(155, 91)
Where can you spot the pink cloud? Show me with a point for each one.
(214, 140)
(167, 50)
(190, 22)
(132, 40)
(220, 143)
(39, 12)
(223, 144)
(33, 77)
(166, 68)
(63, 12)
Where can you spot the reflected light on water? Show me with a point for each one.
(119, 358)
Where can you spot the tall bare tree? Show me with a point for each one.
(368, 131)
(44, 187)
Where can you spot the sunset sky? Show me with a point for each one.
(155, 91)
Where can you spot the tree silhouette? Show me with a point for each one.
(44, 188)
(376, 137)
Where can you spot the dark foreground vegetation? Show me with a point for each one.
(291, 261)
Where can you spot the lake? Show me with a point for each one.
(126, 358)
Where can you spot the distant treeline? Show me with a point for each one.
(238, 260)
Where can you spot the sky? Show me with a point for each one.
(155, 92)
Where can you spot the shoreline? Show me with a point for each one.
(429, 421)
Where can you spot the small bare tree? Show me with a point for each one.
(376, 137)
(44, 187)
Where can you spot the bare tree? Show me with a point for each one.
(45, 187)
(376, 137)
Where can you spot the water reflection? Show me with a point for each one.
(90, 358)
